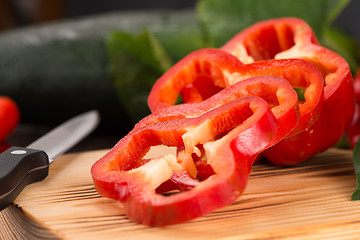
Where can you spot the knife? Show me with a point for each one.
(21, 166)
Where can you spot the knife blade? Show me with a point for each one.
(21, 166)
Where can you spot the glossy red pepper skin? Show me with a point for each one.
(276, 91)
(227, 71)
(249, 127)
(300, 74)
(206, 68)
(293, 38)
(268, 39)
(217, 69)
(9, 117)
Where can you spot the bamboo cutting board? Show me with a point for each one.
(309, 201)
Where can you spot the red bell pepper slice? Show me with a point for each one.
(267, 39)
(301, 75)
(225, 70)
(231, 137)
(293, 38)
(276, 91)
(206, 68)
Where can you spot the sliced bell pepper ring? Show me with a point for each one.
(276, 91)
(299, 73)
(231, 137)
(267, 39)
(293, 38)
(205, 68)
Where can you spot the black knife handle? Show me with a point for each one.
(20, 167)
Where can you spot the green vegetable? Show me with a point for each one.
(57, 70)
(356, 160)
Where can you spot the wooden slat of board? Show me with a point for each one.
(309, 201)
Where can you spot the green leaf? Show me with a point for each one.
(145, 47)
(344, 45)
(356, 161)
(221, 20)
(180, 35)
(135, 62)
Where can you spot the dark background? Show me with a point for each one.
(17, 13)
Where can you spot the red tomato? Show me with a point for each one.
(9, 116)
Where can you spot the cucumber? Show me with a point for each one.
(57, 70)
